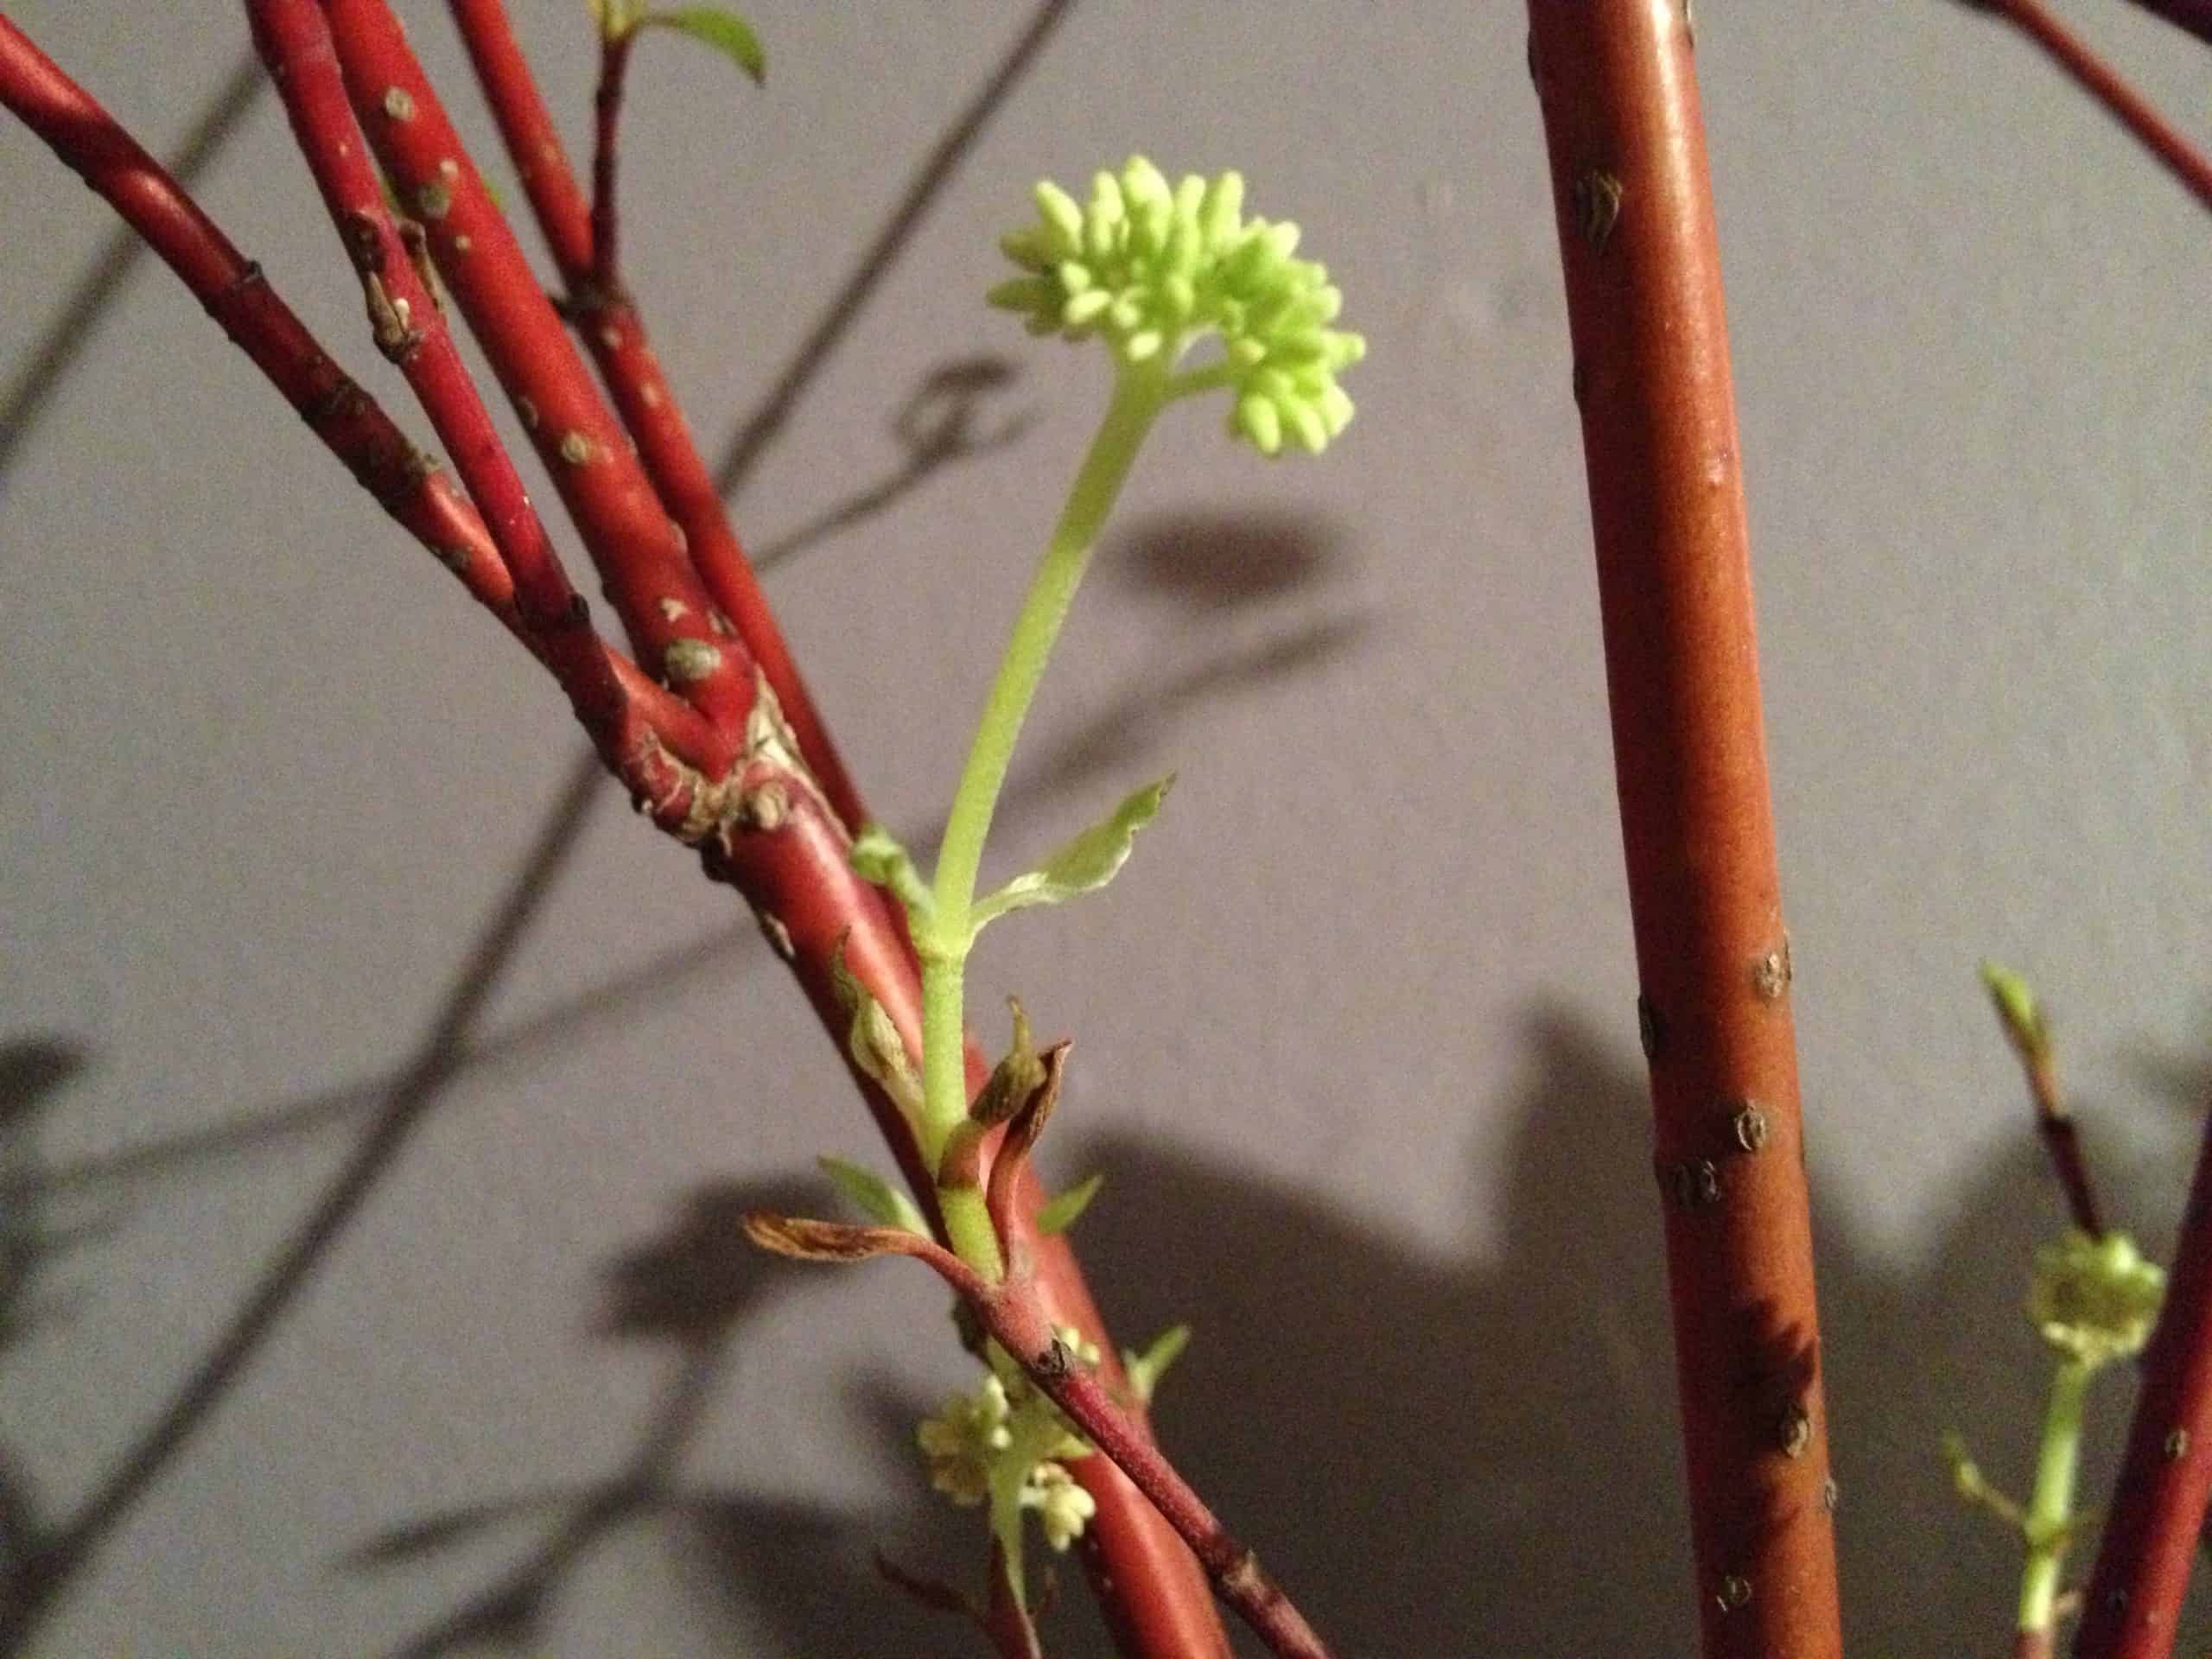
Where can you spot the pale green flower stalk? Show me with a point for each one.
(1153, 271)
(2092, 1300)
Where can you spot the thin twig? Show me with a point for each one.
(2102, 82)
(1012, 1313)
(2026, 1030)
(606, 118)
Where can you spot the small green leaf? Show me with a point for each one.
(725, 31)
(1083, 865)
(877, 1198)
(1059, 1214)
(1144, 1369)
(879, 858)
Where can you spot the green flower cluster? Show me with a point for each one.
(1154, 268)
(1013, 1439)
(2095, 1299)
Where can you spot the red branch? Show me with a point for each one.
(401, 478)
(616, 338)
(2133, 1605)
(640, 554)
(2103, 83)
(765, 828)
(1618, 88)
(1149, 1587)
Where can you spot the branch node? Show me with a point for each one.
(1750, 1126)
(1693, 1184)
(1595, 199)
(1797, 1430)
(1771, 974)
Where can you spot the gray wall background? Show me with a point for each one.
(1354, 1040)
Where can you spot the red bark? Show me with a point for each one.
(1150, 1588)
(345, 418)
(1626, 142)
(615, 335)
(639, 552)
(763, 825)
(2149, 1542)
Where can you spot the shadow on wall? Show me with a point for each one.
(803, 1568)
(1470, 1459)
(1252, 599)
(1440, 1458)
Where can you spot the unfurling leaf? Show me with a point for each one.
(725, 31)
(876, 1197)
(1059, 1214)
(1085, 864)
(822, 1241)
(1144, 1369)
(879, 858)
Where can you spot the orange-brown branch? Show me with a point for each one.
(1627, 149)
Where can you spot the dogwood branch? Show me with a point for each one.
(1618, 83)
(640, 553)
(614, 332)
(404, 481)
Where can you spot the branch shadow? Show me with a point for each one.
(58, 1555)
(33, 1071)
(25, 404)
(1221, 579)
(1439, 1454)
(1457, 1456)
(806, 1569)
(761, 428)
(937, 428)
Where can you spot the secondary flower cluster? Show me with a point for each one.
(1151, 268)
(2095, 1299)
(979, 1437)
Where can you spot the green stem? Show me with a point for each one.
(1140, 393)
(2050, 1506)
